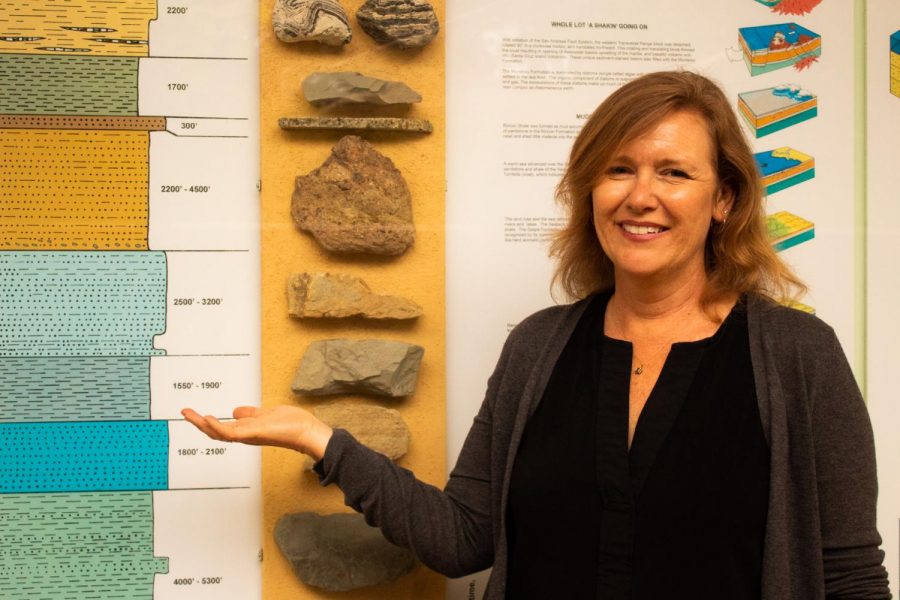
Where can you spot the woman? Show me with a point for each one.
(674, 432)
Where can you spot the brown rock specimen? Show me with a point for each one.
(335, 296)
(323, 21)
(358, 123)
(356, 202)
(339, 552)
(406, 23)
(347, 87)
(381, 429)
(380, 367)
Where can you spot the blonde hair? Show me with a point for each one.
(739, 257)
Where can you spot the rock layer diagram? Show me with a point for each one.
(82, 300)
(770, 47)
(782, 168)
(772, 109)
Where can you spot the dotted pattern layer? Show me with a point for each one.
(84, 456)
(74, 190)
(74, 122)
(68, 85)
(89, 545)
(81, 27)
(81, 388)
(81, 303)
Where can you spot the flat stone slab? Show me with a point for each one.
(322, 21)
(339, 552)
(358, 124)
(327, 295)
(348, 87)
(404, 23)
(355, 202)
(381, 429)
(342, 366)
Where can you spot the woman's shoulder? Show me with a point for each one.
(549, 320)
(779, 320)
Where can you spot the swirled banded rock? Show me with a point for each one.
(348, 87)
(342, 366)
(406, 23)
(381, 429)
(323, 21)
(339, 552)
(326, 295)
(356, 202)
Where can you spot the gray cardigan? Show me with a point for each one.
(821, 540)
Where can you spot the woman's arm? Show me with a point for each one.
(846, 479)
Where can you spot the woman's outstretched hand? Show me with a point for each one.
(283, 426)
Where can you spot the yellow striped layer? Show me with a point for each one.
(74, 190)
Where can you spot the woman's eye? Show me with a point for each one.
(617, 170)
(678, 173)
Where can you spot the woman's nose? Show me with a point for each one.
(642, 195)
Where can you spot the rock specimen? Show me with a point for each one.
(406, 23)
(323, 21)
(347, 87)
(381, 429)
(335, 296)
(357, 201)
(339, 552)
(358, 123)
(381, 367)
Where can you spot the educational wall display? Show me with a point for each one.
(883, 240)
(128, 233)
(519, 91)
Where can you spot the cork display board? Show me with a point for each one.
(418, 274)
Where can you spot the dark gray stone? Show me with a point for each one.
(348, 87)
(405, 23)
(339, 552)
(341, 366)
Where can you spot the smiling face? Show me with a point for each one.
(654, 203)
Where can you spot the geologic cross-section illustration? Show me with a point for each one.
(770, 47)
(88, 437)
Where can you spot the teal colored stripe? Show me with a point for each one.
(774, 66)
(806, 115)
(795, 240)
(85, 545)
(74, 388)
(84, 456)
(790, 181)
(81, 303)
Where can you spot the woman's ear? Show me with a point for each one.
(724, 202)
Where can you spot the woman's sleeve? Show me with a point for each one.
(846, 479)
(450, 530)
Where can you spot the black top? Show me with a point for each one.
(682, 514)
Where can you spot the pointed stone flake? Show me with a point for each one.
(347, 87)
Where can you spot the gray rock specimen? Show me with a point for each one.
(334, 296)
(323, 21)
(338, 366)
(358, 123)
(348, 87)
(381, 429)
(356, 202)
(406, 23)
(339, 552)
